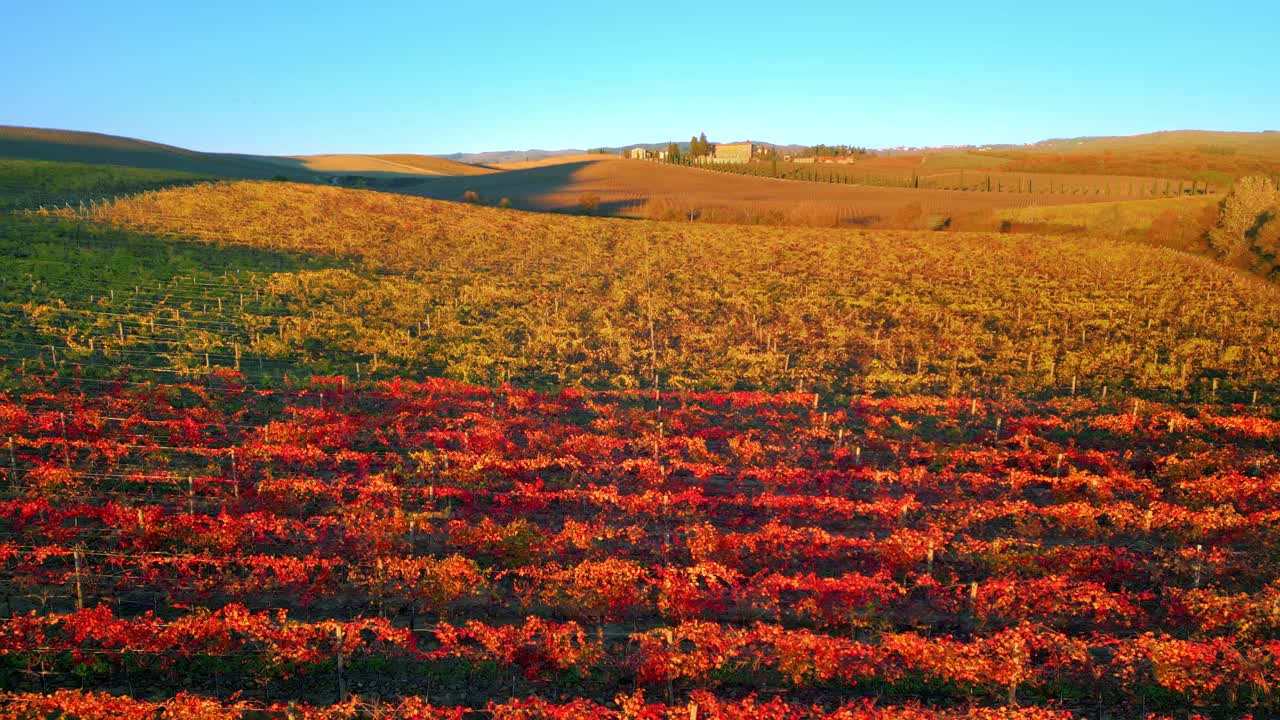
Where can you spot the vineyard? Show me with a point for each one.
(271, 278)
(435, 542)
(287, 451)
(32, 183)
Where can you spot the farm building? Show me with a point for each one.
(734, 152)
(638, 153)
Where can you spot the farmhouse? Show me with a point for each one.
(638, 153)
(734, 152)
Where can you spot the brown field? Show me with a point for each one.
(1216, 168)
(953, 172)
(388, 165)
(1083, 165)
(658, 190)
(921, 162)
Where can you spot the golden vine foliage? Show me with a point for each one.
(492, 295)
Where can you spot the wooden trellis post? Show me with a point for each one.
(235, 479)
(66, 444)
(342, 680)
(79, 589)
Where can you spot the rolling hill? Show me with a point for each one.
(635, 188)
(877, 190)
(1207, 155)
(96, 148)
(1263, 144)
(388, 165)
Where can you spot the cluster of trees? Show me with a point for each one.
(699, 147)
(1247, 231)
(840, 151)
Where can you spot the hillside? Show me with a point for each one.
(1218, 157)
(913, 190)
(542, 300)
(28, 184)
(1111, 219)
(636, 188)
(1262, 144)
(95, 148)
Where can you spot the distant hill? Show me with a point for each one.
(87, 147)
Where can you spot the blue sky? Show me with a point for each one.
(435, 77)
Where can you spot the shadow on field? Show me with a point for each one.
(526, 189)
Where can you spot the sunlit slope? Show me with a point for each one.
(539, 299)
(1263, 144)
(1129, 215)
(96, 148)
(389, 165)
(1214, 156)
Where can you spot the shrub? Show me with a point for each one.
(589, 203)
